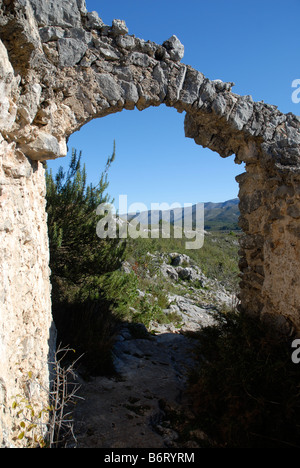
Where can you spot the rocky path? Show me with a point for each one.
(130, 411)
(139, 407)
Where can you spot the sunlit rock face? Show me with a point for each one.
(60, 67)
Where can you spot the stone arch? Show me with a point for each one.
(78, 69)
(61, 67)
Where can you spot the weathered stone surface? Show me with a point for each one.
(8, 88)
(191, 87)
(52, 13)
(242, 112)
(119, 27)
(127, 411)
(60, 67)
(70, 51)
(26, 332)
(51, 33)
(45, 146)
(29, 103)
(110, 88)
(93, 20)
(175, 48)
(127, 42)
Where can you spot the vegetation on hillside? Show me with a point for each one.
(222, 216)
(218, 258)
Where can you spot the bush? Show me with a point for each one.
(81, 264)
(218, 258)
(245, 393)
(78, 258)
(90, 328)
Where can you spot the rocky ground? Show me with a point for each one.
(142, 405)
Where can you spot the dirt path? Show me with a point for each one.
(130, 411)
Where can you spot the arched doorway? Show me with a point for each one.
(74, 69)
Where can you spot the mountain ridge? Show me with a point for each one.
(217, 215)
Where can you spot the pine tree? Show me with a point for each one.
(81, 263)
(77, 256)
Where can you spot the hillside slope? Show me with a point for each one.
(217, 216)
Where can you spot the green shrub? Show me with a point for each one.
(82, 265)
(246, 390)
(218, 258)
(89, 328)
(147, 311)
(120, 290)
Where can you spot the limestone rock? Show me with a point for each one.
(81, 4)
(174, 48)
(8, 88)
(110, 88)
(45, 146)
(94, 21)
(29, 103)
(51, 33)
(178, 259)
(169, 271)
(191, 87)
(29, 337)
(52, 13)
(119, 27)
(242, 112)
(70, 51)
(126, 42)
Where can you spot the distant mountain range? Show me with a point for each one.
(217, 216)
(222, 216)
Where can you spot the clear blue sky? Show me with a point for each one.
(255, 44)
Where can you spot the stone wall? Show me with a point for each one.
(25, 312)
(269, 255)
(60, 67)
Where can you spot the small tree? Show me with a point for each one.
(79, 260)
(77, 256)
